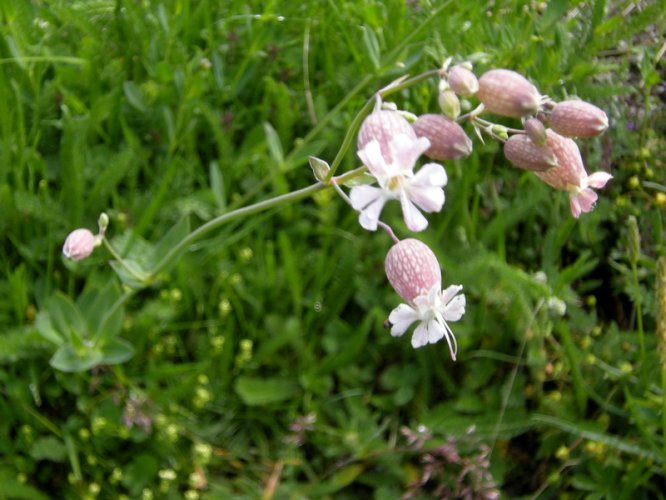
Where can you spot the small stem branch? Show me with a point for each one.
(116, 255)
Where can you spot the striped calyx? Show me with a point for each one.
(448, 140)
(507, 93)
(412, 269)
(381, 126)
(522, 152)
(577, 119)
(462, 81)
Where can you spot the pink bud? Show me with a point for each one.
(569, 169)
(523, 153)
(578, 119)
(381, 126)
(448, 140)
(536, 131)
(507, 93)
(463, 81)
(412, 269)
(79, 244)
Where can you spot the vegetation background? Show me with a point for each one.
(260, 366)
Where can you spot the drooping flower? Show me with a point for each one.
(507, 93)
(79, 244)
(569, 174)
(413, 271)
(397, 181)
(575, 118)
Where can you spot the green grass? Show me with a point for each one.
(260, 366)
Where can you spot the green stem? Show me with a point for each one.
(234, 214)
(663, 408)
(639, 309)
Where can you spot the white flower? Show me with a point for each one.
(397, 181)
(433, 309)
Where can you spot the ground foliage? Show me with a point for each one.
(259, 364)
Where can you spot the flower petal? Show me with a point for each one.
(406, 150)
(420, 336)
(583, 201)
(369, 216)
(371, 156)
(362, 196)
(428, 198)
(431, 174)
(455, 309)
(413, 218)
(401, 317)
(574, 206)
(598, 179)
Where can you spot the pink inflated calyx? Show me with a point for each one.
(382, 126)
(507, 93)
(412, 269)
(575, 118)
(79, 244)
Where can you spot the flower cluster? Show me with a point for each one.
(391, 142)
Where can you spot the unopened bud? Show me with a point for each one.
(507, 93)
(523, 153)
(500, 131)
(463, 81)
(412, 268)
(578, 119)
(536, 131)
(381, 126)
(103, 223)
(79, 244)
(449, 104)
(448, 140)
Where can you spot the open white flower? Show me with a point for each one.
(413, 271)
(397, 181)
(433, 309)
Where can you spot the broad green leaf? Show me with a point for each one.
(130, 273)
(94, 305)
(256, 391)
(217, 185)
(47, 330)
(65, 317)
(135, 96)
(371, 46)
(274, 144)
(67, 359)
(179, 231)
(117, 351)
(49, 448)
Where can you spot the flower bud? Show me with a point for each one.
(448, 140)
(412, 269)
(449, 104)
(578, 119)
(536, 131)
(381, 126)
(507, 93)
(569, 169)
(520, 150)
(463, 81)
(79, 244)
